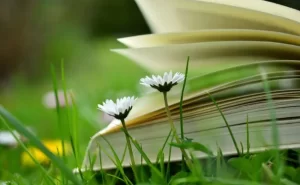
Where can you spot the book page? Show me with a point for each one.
(197, 87)
(208, 57)
(153, 40)
(188, 15)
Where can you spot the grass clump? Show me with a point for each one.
(268, 167)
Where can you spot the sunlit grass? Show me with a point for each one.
(245, 168)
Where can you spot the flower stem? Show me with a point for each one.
(188, 160)
(170, 118)
(130, 151)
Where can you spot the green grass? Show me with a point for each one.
(101, 77)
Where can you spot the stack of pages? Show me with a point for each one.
(245, 53)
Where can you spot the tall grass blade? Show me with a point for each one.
(162, 164)
(75, 127)
(248, 136)
(18, 126)
(169, 159)
(163, 147)
(197, 168)
(219, 162)
(59, 116)
(147, 160)
(117, 161)
(103, 173)
(228, 126)
(275, 132)
(122, 160)
(181, 111)
(58, 110)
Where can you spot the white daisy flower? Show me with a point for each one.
(163, 83)
(120, 109)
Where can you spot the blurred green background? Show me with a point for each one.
(35, 34)
(81, 33)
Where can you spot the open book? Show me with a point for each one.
(246, 54)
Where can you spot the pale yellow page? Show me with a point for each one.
(187, 15)
(207, 57)
(152, 40)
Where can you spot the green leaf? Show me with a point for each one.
(193, 145)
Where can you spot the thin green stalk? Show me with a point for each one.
(219, 164)
(248, 137)
(275, 132)
(169, 160)
(164, 145)
(122, 160)
(118, 162)
(58, 110)
(146, 158)
(101, 167)
(227, 124)
(170, 118)
(75, 126)
(71, 120)
(189, 163)
(130, 151)
(181, 111)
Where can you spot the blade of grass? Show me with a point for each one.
(92, 160)
(59, 118)
(181, 111)
(75, 126)
(51, 169)
(143, 177)
(197, 168)
(242, 148)
(275, 133)
(71, 119)
(219, 164)
(162, 164)
(147, 160)
(119, 167)
(18, 126)
(101, 167)
(228, 126)
(69, 122)
(27, 151)
(163, 147)
(116, 177)
(122, 160)
(168, 175)
(248, 136)
(118, 162)
(58, 110)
